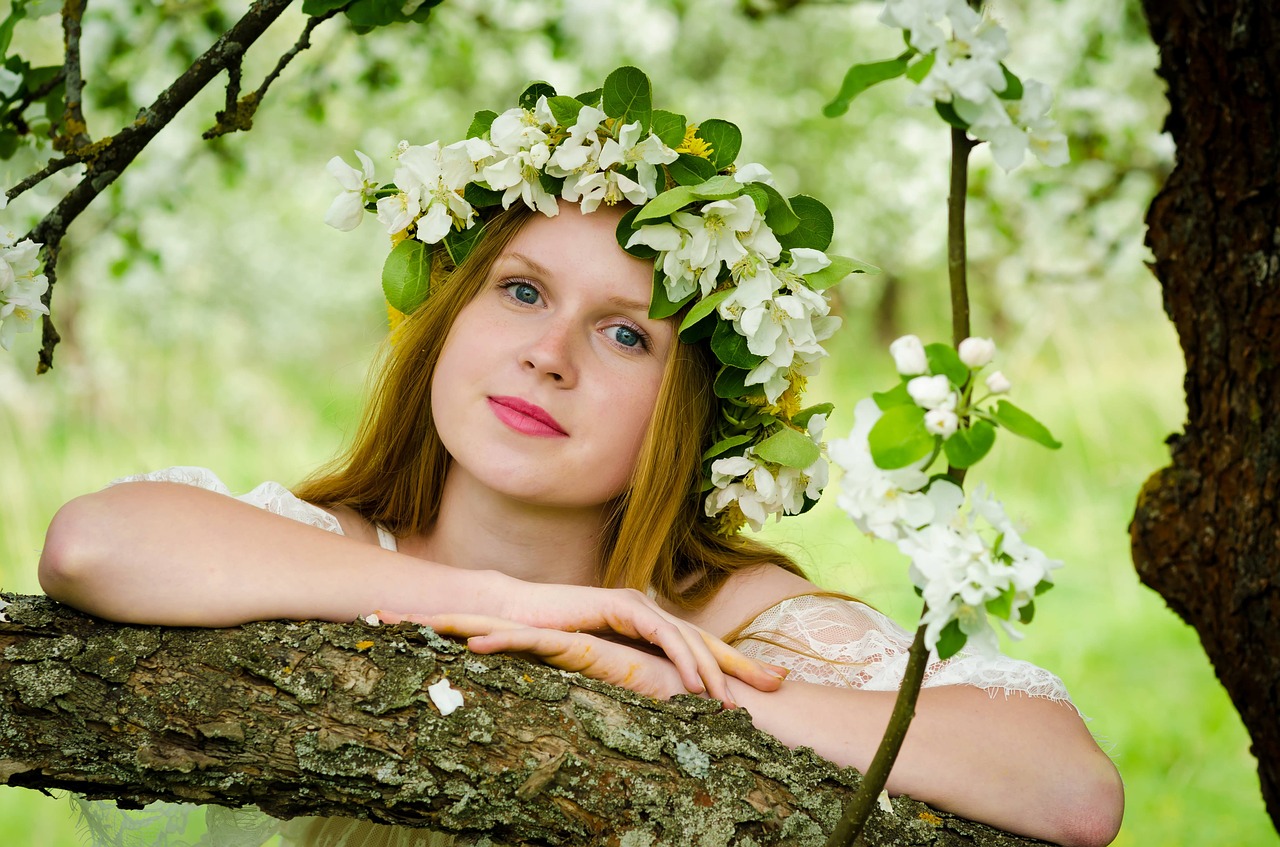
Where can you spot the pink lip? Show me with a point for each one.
(525, 417)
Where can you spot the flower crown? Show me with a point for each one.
(745, 264)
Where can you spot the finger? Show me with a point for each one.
(757, 674)
(655, 627)
(466, 626)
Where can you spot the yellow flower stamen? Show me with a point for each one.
(693, 145)
(729, 520)
(788, 405)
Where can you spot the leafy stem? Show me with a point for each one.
(856, 813)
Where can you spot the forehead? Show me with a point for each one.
(581, 247)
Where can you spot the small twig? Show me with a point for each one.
(44, 173)
(49, 336)
(15, 114)
(961, 144)
(75, 132)
(239, 111)
(859, 808)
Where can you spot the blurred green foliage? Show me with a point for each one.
(210, 317)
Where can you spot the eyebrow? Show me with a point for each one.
(541, 270)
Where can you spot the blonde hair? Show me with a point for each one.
(655, 537)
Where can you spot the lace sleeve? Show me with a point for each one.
(830, 641)
(270, 496)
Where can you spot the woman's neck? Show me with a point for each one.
(480, 529)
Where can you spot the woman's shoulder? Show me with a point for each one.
(747, 594)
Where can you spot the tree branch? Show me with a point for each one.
(106, 159)
(334, 719)
(75, 134)
(239, 112)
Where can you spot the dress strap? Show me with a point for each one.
(386, 540)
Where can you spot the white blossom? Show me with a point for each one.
(932, 392)
(629, 150)
(21, 286)
(977, 352)
(997, 383)
(761, 489)
(942, 422)
(909, 356)
(358, 188)
(580, 151)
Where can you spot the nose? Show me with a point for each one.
(551, 352)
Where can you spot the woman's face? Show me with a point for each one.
(549, 377)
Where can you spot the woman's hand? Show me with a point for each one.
(700, 660)
(620, 664)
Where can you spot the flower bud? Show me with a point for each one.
(997, 383)
(976, 352)
(908, 356)
(941, 422)
(932, 392)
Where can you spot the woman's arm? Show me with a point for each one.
(1024, 764)
(179, 555)
(1021, 763)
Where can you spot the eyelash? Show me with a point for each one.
(643, 340)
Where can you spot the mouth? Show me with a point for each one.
(525, 417)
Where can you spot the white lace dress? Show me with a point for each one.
(824, 640)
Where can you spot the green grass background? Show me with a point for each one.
(1107, 382)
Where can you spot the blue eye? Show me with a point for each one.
(524, 292)
(627, 337)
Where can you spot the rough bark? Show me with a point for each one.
(335, 719)
(1206, 532)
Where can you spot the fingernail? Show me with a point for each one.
(778, 671)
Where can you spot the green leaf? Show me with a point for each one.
(899, 438)
(660, 306)
(951, 640)
(896, 396)
(480, 123)
(967, 446)
(1012, 85)
(460, 242)
(671, 200)
(861, 77)
(703, 308)
(731, 348)
(627, 97)
(948, 114)
(1027, 612)
(1042, 586)
(691, 170)
(725, 140)
(943, 359)
(1002, 606)
(815, 227)
(8, 143)
(627, 228)
(591, 98)
(802, 417)
(775, 208)
(917, 72)
(406, 275)
(1019, 422)
(315, 8)
(725, 445)
(537, 88)
(669, 127)
(731, 383)
(16, 13)
(565, 109)
(720, 187)
(789, 448)
(480, 197)
(840, 267)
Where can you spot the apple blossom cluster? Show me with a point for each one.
(962, 66)
(742, 267)
(21, 286)
(968, 560)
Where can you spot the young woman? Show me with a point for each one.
(529, 475)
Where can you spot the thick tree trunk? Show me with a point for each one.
(1206, 534)
(335, 719)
